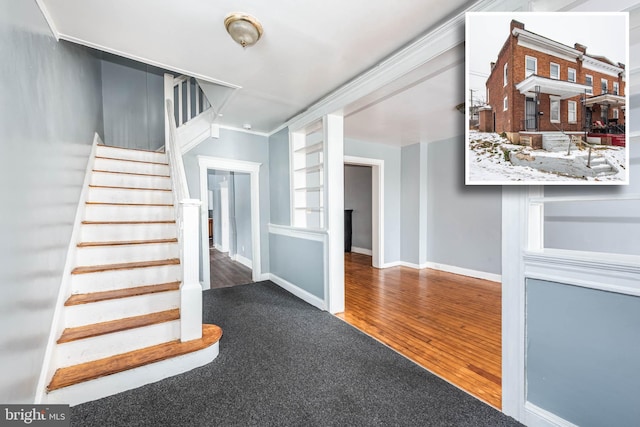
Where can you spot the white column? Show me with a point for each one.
(190, 289)
(334, 204)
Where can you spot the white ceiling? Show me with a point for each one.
(308, 50)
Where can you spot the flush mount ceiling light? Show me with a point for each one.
(243, 28)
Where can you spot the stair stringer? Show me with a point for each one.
(49, 364)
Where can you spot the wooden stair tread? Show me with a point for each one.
(102, 328)
(126, 242)
(130, 149)
(71, 375)
(124, 266)
(132, 160)
(131, 173)
(78, 299)
(115, 187)
(128, 204)
(172, 221)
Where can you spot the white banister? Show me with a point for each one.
(187, 219)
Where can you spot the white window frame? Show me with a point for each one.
(616, 113)
(569, 71)
(616, 88)
(604, 85)
(505, 103)
(505, 74)
(552, 101)
(535, 65)
(588, 77)
(551, 64)
(572, 107)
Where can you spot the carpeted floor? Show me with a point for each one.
(283, 362)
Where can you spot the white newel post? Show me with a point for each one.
(190, 290)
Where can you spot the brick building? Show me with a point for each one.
(538, 86)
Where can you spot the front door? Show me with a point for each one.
(530, 114)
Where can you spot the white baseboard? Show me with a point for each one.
(464, 271)
(448, 268)
(538, 417)
(300, 293)
(362, 251)
(218, 247)
(243, 260)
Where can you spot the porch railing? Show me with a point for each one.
(187, 220)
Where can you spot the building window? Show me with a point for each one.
(506, 74)
(554, 71)
(571, 75)
(604, 84)
(616, 113)
(588, 80)
(505, 103)
(530, 66)
(554, 113)
(488, 99)
(573, 108)
(616, 88)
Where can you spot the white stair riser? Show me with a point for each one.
(117, 195)
(104, 311)
(86, 350)
(121, 153)
(126, 180)
(129, 213)
(112, 232)
(130, 166)
(133, 378)
(98, 255)
(120, 279)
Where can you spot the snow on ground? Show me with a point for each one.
(488, 163)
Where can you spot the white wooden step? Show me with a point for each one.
(127, 278)
(104, 212)
(111, 179)
(130, 154)
(96, 232)
(88, 349)
(129, 195)
(120, 253)
(104, 311)
(130, 166)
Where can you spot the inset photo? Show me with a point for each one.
(546, 98)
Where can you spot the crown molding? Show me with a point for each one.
(49, 19)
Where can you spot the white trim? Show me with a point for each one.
(299, 292)
(615, 89)
(553, 99)
(505, 74)
(538, 417)
(250, 132)
(465, 271)
(298, 232)
(361, 251)
(49, 19)
(242, 260)
(377, 205)
(598, 66)
(218, 163)
(147, 61)
(606, 84)
(57, 324)
(545, 45)
(590, 89)
(575, 111)
(592, 270)
(535, 60)
(551, 76)
(218, 247)
(505, 103)
(575, 75)
(442, 39)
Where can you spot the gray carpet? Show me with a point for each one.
(283, 362)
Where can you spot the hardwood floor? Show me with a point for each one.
(446, 323)
(225, 272)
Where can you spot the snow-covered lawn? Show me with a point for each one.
(488, 154)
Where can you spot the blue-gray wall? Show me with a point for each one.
(242, 214)
(357, 196)
(414, 204)
(298, 261)
(133, 95)
(582, 354)
(237, 146)
(392, 190)
(279, 178)
(50, 107)
(464, 223)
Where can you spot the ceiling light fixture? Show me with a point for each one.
(243, 28)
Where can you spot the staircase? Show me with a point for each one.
(122, 319)
(556, 141)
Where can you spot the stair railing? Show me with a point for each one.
(187, 105)
(187, 219)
